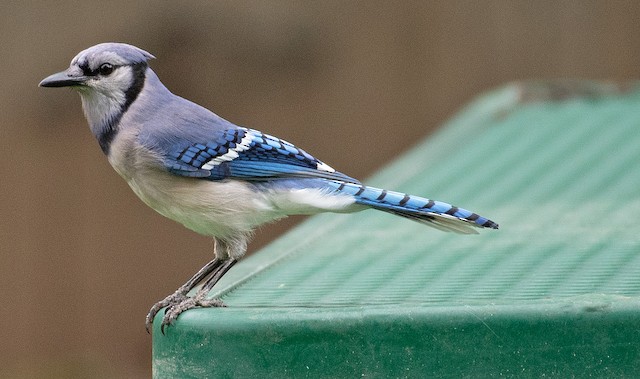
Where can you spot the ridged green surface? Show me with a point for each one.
(555, 291)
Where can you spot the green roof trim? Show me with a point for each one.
(555, 291)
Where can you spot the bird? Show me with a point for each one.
(216, 178)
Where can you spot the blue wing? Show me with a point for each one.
(247, 154)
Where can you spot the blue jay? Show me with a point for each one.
(214, 177)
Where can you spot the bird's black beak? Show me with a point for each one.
(63, 79)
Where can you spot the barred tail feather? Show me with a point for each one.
(436, 214)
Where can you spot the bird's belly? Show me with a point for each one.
(215, 208)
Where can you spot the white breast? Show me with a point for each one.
(213, 208)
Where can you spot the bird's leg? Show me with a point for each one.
(181, 293)
(200, 299)
(201, 295)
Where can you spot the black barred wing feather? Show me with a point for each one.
(247, 154)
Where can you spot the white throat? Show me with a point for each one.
(100, 109)
(104, 98)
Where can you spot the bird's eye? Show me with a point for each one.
(106, 69)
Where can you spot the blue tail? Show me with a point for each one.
(437, 214)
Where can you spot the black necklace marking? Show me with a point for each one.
(111, 128)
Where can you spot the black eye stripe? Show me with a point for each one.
(87, 71)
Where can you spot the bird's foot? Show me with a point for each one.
(173, 311)
(176, 304)
(179, 302)
(169, 301)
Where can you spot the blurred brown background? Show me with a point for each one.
(354, 83)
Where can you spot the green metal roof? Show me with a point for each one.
(555, 291)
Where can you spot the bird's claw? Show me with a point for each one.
(169, 301)
(173, 311)
(176, 304)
